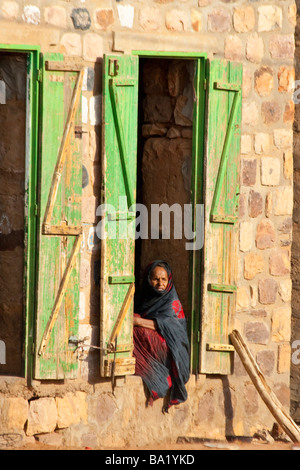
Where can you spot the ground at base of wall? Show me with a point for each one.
(254, 444)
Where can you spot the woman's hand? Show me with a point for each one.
(143, 322)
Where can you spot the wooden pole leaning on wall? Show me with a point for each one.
(265, 392)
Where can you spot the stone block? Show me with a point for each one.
(219, 21)
(285, 290)
(250, 399)
(71, 43)
(281, 324)
(206, 408)
(85, 272)
(269, 18)
(150, 18)
(267, 291)
(250, 114)
(183, 111)
(242, 298)
(286, 225)
(266, 361)
(56, 16)
(292, 14)
(279, 262)
(284, 358)
(11, 440)
(253, 265)
(282, 47)
(242, 205)
(270, 171)
(81, 18)
(89, 205)
(247, 81)
(94, 146)
(256, 204)
(105, 408)
(233, 48)
(42, 416)
(289, 112)
(104, 18)
(178, 76)
(92, 48)
(249, 169)
(261, 143)
(196, 19)
(53, 439)
(155, 77)
(270, 112)
(269, 204)
(286, 78)
(71, 409)
(253, 296)
(254, 48)
(264, 81)
(31, 14)
(126, 15)
(283, 138)
(283, 201)
(246, 235)
(13, 414)
(246, 144)
(10, 10)
(150, 130)
(282, 391)
(158, 109)
(257, 332)
(265, 235)
(177, 20)
(244, 19)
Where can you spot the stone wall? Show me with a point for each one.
(261, 36)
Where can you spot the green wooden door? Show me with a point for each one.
(221, 170)
(59, 220)
(120, 108)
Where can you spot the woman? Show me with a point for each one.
(161, 345)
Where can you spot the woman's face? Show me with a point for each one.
(159, 278)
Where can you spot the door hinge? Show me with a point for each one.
(204, 84)
(36, 210)
(198, 336)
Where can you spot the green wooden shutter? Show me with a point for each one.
(120, 107)
(221, 170)
(59, 220)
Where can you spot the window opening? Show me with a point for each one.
(13, 79)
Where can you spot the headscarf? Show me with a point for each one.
(165, 308)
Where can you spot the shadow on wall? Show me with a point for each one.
(295, 368)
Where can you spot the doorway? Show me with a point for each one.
(164, 163)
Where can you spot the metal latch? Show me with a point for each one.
(80, 343)
(79, 131)
(113, 67)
